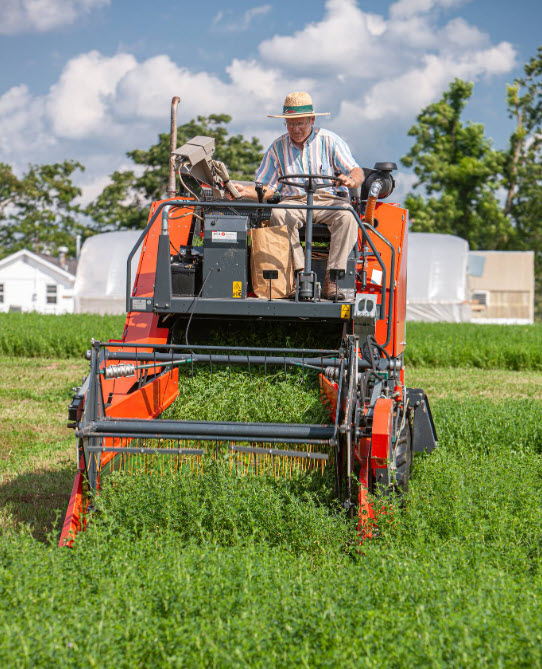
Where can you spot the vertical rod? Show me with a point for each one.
(308, 230)
(171, 189)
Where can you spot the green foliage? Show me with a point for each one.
(125, 202)
(523, 167)
(219, 507)
(67, 336)
(42, 213)
(517, 347)
(513, 347)
(460, 173)
(235, 395)
(9, 188)
(118, 205)
(222, 575)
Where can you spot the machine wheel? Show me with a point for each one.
(403, 458)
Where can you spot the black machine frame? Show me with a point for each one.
(164, 302)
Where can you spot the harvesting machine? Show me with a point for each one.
(194, 277)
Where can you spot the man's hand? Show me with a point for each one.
(250, 193)
(246, 191)
(353, 180)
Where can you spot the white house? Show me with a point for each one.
(36, 282)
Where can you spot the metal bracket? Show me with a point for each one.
(365, 309)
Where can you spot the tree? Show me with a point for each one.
(523, 165)
(125, 202)
(38, 211)
(9, 188)
(460, 173)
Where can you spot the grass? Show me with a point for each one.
(513, 347)
(510, 347)
(237, 572)
(236, 396)
(33, 335)
(37, 452)
(230, 571)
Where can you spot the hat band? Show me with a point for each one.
(301, 109)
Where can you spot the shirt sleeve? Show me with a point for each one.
(269, 171)
(343, 161)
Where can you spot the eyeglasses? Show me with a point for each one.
(297, 124)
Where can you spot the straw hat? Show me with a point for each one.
(297, 105)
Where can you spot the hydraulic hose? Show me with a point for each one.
(374, 192)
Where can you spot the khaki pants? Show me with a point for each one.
(341, 224)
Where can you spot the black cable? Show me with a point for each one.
(193, 307)
(379, 348)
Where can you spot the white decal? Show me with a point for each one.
(222, 236)
(138, 304)
(376, 277)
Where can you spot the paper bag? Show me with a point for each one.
(271, 250)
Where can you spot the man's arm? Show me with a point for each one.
(250, 192)
(353, 180)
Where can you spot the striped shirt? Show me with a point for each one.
(324, 152)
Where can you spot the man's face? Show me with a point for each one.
(299, 129)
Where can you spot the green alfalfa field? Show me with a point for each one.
(224, 571)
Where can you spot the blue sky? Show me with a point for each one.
(92, 79)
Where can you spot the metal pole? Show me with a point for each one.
(308, 228)
(171, 188)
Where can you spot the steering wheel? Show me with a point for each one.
(309, 177)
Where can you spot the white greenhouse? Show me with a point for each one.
(100, 284)
(437, 284)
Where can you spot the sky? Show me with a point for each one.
(89, 80)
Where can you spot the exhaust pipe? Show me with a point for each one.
(171, 189)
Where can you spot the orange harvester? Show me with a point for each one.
(193, 288)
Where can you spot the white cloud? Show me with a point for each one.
(22, 16)
(406, 8)
(254, 13)
(79, 103)
(225, 20)
(405, 95)
(102, 106)
(338, 41)
(461, 34)
(22, 127)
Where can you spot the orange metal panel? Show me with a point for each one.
(382, 426)
(150, 400)
(72, 522)
(392, 224)
(328, 393)
(147, 402)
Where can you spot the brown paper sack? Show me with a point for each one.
(271, 250)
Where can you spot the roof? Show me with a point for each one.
(70, 264)
(47, 262)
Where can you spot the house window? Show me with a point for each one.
(51, 293)
(480, 301)
(1, 293)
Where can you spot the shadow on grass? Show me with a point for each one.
(38, 498)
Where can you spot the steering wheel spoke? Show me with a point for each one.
(310, 184)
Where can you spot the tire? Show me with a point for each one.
(403, 459)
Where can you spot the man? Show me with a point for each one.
(305, 149)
